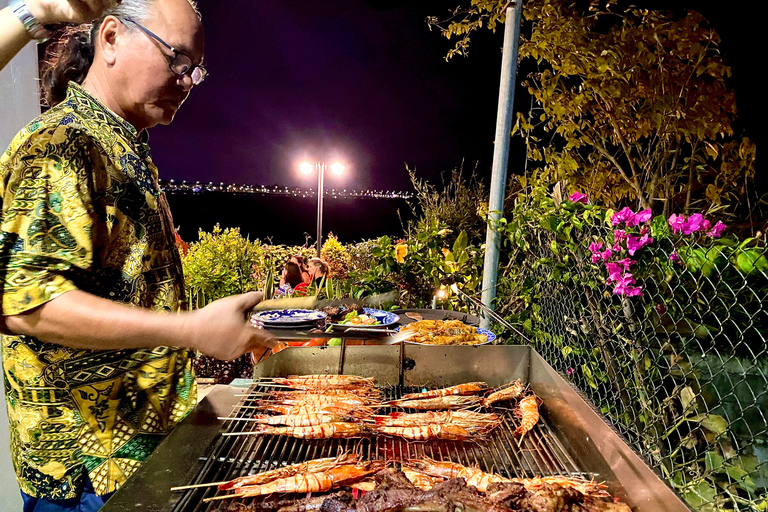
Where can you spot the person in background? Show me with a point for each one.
(299, 260)
(96, 347)
(318, 271)
(24, 20)
(293, 283)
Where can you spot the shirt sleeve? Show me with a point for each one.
(47, 220)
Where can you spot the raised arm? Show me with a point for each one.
(13, 35)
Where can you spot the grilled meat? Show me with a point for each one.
(337, 313)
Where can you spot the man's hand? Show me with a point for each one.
(221, 329)
(49, 12)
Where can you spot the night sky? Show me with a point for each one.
(365, 83)
(327, 81)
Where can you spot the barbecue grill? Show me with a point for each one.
(570, 439)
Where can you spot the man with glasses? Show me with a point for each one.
(96, 357)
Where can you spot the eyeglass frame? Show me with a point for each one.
(176, 53)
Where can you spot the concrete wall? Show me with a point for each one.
(19, 104)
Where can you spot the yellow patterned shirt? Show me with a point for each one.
(81, 209)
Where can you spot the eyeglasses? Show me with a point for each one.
(180, 63)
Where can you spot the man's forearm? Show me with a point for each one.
(13, 36)
(80, 320)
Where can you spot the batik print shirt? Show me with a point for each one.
(81, 209)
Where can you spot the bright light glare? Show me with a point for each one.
(306, 168)
(441, 293)
(337, 168)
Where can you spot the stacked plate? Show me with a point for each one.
(289, 318)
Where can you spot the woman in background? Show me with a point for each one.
(292, 281)
(318, 271)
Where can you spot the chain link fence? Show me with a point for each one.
(681, 371)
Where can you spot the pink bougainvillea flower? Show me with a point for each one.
(674, 257)
(693, 224)
(615, 272)
(705, 225)
(639, 218)
(624, 286)
(623, 215)
(717, 230)
(619, 234)
(676, 223)
(595, 248)
(570, 371)
(578, 197)
(606, 254)
(626, 262)
(634, 243)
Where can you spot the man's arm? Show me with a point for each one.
(13, 36)
(81, 320)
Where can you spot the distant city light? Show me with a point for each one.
(172, 186)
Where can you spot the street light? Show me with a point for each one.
(320, 167)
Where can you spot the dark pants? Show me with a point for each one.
(87, 502)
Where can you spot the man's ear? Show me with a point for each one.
(109, 37)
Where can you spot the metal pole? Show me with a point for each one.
(320, 173)
(504, 118)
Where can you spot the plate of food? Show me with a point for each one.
(447, 332)
(288, 317)
(358, 316)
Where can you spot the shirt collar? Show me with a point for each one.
(76, 94)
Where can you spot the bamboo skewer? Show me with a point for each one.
(197, 486)
(250, 433)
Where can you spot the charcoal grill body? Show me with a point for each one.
(577, 433)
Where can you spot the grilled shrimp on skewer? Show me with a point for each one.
(420, 480)
(528, 413)
(441, 402)
(336, 409)
(466, 419)
(445, 431)
(309, 482)
(312, 398)
(298, 420)
(325, 380)
(324, 431)
(310, 466)
(473, 476)
(511, 391)
(469, 388)
(481, 480)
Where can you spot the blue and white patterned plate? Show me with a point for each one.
(385, 318)
(289, 317)
(488, 334)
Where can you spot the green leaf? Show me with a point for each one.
(461, 242)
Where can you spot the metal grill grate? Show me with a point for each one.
(539, 454)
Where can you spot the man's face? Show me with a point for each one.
(150, 93)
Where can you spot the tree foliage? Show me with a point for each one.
(632, 105)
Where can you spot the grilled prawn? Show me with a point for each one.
(298, 420)
(469, 388)
(311, 466)
(335, 409)
(466, 419)
(447, 432)
(441, 402)
(481, 480)
(473, 476)
(528, 413)
(323, 431)
(511, 391)
(309, 482)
